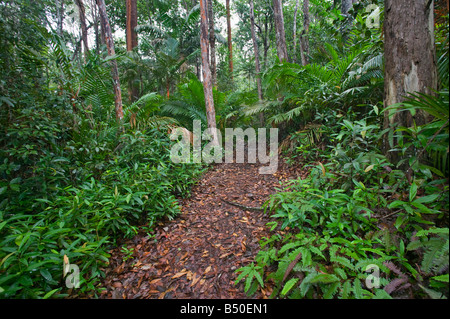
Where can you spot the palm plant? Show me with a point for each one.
(188, 103)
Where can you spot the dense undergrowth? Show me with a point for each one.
(357, 226)
(63, 194)
(74, 181)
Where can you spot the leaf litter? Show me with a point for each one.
(195, 255)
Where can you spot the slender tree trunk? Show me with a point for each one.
(410, 60)
(257, 64)
(132, 42)
(95, 21)
(84, 35)
(59, 16)
(207, 85)
(305, 34)
(230, 47)
(212, 43)
(294, 58)
(111, 52)
(279, 31)
(266, 42)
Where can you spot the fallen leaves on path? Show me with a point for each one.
(196, 254)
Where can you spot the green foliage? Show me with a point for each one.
(334, 223)
(70, 185)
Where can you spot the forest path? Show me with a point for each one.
(196, 254)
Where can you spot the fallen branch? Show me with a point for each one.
(256, 209)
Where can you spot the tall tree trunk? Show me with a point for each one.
(95, 21)
(294, 38)
(59, 16)
(84, 35)
(305, 34)
(257, 64)
(207, 85)
(230, 47)
(111, 52)
(410, 60)
(212, 43)
(132, 42)
(279, 31)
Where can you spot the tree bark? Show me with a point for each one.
(212, 43)
(410, 60)
(132, 42)
(279, 31)
(345, 6)
(59, 16)
(111, 52)
(257, 64)
(95, 21)
(294, 58)
(84, 35)
(207, 81)
(304, 38)
(230, 47)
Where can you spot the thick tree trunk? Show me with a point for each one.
(279, 31)
(84, 35)
(212, 43)
(257, 64)
(132, 42)
(207, 81)
(111, 52)
(410, 59)
(230, 47)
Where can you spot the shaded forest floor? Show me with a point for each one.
(196, 254)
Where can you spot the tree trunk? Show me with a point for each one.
(257, 64)
(294, 38)
(111, 52)
(279, 31)
(59, 16)
(345, 6)
(230, 47)
(410, 60)
(212, 43)
(95, 21)
(84, 35)
(305, 34)
(132, 42)
(207, 81)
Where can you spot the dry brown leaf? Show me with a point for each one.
(207, 270)
(179, 274)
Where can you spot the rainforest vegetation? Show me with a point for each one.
(91, 89)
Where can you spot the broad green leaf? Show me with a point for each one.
(442, 278)
(324, 278)
(51, 293)
(288, 286)
(412, 192)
